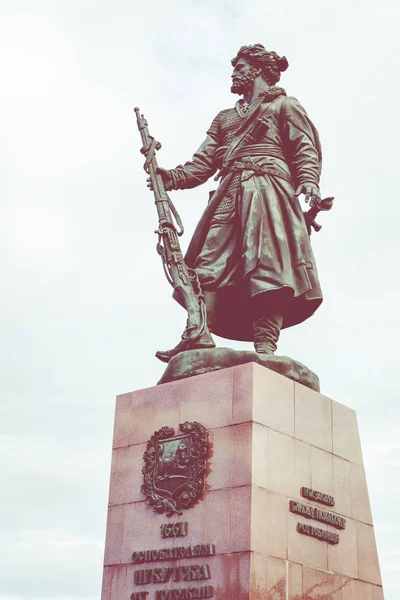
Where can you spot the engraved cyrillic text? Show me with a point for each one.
(175, 573)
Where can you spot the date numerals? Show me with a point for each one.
(172, 530)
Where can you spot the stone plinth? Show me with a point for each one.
(269, 438)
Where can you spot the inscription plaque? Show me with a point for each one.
(317, 496)
(185, 593)
(174, 468)
(312, 512)
(177, 594)
(175, 573)
(177, 552)
(320, 534)
(170, 530)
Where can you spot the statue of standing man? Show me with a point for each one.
(251, 249)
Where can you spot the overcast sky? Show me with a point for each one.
(84, 303)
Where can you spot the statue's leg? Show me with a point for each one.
(210, 299)
(188, 342)
(214, 267)
(266, 332)
(268, 310)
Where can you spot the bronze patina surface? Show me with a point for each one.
(249, 270)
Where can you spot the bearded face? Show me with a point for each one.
(243, 77)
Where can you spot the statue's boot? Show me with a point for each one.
(266, 332)
(188, 342)
(191, 341)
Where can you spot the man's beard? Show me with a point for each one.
(242, 83)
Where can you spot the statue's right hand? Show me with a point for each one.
(166, 177)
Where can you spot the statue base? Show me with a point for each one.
(284, 513)
(198, 362)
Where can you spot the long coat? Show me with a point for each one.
(252, 238)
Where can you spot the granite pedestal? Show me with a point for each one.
(265, 527)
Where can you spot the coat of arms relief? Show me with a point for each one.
(174, 468)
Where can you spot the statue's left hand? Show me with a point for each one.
(166, 177)
(311, 193)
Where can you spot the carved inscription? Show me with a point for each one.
(168, 451)
(192, 551)
(176, 573)
(199, 593)
(185, 593)
(317, 496)
(320, 534)
(312, 512)
(170, 530)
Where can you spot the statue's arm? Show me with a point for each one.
(302, 145)
(199, 169)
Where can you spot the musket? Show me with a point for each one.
(309, 215)
(183, 279)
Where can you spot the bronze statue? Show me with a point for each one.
(250, 258)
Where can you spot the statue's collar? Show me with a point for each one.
(272, 93)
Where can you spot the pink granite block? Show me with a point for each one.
(322, 471)
(220, 463)
(295, 581)
(260, 455)
(122, 420)
(281, 463)
(346, 439)
(254, 469)
(230, 576)
(239, 576)
(230, 456)
(360, 506)
(195, 519)
(150, 588)
(376, 593)
(217, 520)
(288, 464)
(273, 400)
(343, 557)
(356, 590)
(259, 522)
(258, 577)
(341, 486)
(153, 408)
(242, 454)
(114, 535)
(208, 399)
(303, 549)
(142, 530)
(138, 530)
(115, 583)
(151, 522)
(269, 515)
(276, 542)
(276, 578)
(240, 510)
(313, 417)
(225, 571)
(368, 565)
(126, 474)
(318, 585)
(243, 376)
(302, 467)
